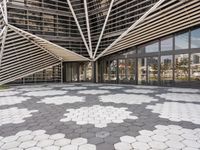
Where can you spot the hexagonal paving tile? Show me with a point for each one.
(45, 93)
(8, 93)
(110, 87)
(38, 142)
(98, 115)
(126, 98)
(75, 88)
(14, 115)
(11, 100)
(94, 92)
(156, 140)
(143, 91)
(180, 97)
(59, 100)
(175, 111)
(183, 90)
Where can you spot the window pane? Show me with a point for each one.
(106, 71)
(182, 41)
(167, 44)
(142, 64)
(152, 48)
(195, 67)
(152, 70)
(113, 70)
(181, 67)
(122, 69)
(166, 70)
(131, 69)
(195, 38)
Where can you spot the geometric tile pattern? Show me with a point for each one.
(146, 91)
(94, 92)
(8, 93)
(14, 115)
(46, 93)
(101, 124)
(180, 97)
(98, 115)
(75, 88)
(38, 140)
(183, 90)
(35, 89)
(59, 100)
(169, 137)
(126, 98)
(175, 111)
(10, 100)
(110, 87)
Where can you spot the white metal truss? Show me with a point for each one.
(88, 25)
(3, 38)
(104, 26)
(141, 19)
(79, 28)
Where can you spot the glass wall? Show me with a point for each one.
(173, 60)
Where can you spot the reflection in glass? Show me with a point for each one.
(82, 72)
(88, 68)
(167, 44)
(182, 41)
(166, 70)
(122, 69)
(195, 38)
(142, 62)
(106, 70)
(113, 70)
(195, 67)
(74, 72)
(181, 67)
(152, 70)
(131, 69)
(152, 48)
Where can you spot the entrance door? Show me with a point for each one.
(142, 71)
(152, 70)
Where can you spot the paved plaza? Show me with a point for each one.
(99, 117)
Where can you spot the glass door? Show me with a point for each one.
(113, 71)
(142, 71)
(152, 70)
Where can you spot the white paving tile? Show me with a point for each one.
(184, 90)
(98, 115)
(35, 89)
(9, 93)
(60, 100)
(14, 115)
(126, 98)
(175, 111)
(94, 92)
(43, 141)
(11, 100)
(110, 87)
(154, 140)
(180, 97)
(75, 88)
(46, 93)
(142, 91)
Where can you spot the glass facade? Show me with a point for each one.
(173, 60)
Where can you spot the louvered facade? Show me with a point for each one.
(151, 42)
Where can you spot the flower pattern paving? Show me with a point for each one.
(175, 111)
(59, 100)
(169, 137)
(38, 140)
(14, 115)
(27, 113)
(127, 98)
(11, 100)
(98, 115)
(180, 97)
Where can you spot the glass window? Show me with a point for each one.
(181, 67)
(142, 65)
(195, 38)
(152, 70)
(113, 70)
(167, 44)
(182, 41)
(131, 69)
(152, 48)
(195, 67)
(122, 69)
(106, 71)
(89, 71)
(166, 69)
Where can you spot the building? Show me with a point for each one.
(150, 42)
